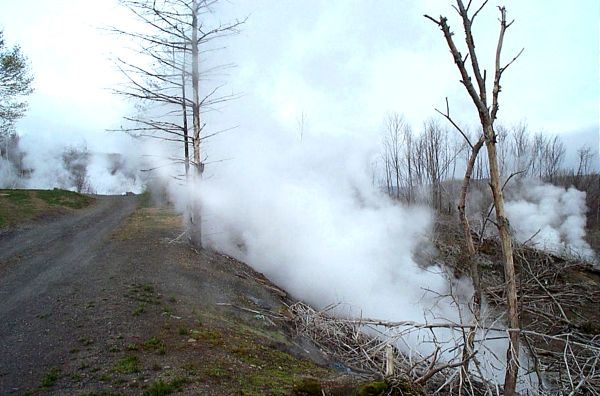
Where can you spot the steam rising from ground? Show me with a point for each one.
(311, 220)
(550, 217)
(47, 165)
(308, 216)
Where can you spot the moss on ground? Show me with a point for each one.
(256, 366)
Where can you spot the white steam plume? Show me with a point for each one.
(308, 216)
(44, 168)
(550, 217)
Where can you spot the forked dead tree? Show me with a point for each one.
(487, 115)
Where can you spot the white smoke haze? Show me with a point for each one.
(8, 174)
(307, 215)
(550, 218)
(115, 174)
(105, 173)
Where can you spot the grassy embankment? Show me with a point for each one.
(20, 206)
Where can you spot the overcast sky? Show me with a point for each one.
(342, 63)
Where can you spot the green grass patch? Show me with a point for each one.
(65, 198)
(153, 342)
(217, 372)
(86, 341)
(190, 368)
(50, 378)
(105, 377)
(160, 387)
(141, 308)
(144, 293)
(144, 199)
(76, 377)
(15, 206)
(18, 197)
(156, 344)
(128, 365)
(213, 337)
(18, 206)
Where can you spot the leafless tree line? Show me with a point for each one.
(530, 155)
(411, 162)
(75, 161)
(425, 167)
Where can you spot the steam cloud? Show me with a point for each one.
(551, 218)
(42, 165)
(312, 221)
(308, 216)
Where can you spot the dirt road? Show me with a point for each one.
(109, 301)
(40, 267)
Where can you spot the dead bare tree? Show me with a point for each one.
(487, 116)
(466, 227)
(439, 155)
(75, 161)
(521, 148)
(554, 154)
(394, 144)
(176, 34)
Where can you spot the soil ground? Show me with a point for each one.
(106, 300)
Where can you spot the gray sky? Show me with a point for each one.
(343, 63)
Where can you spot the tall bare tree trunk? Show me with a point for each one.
(512, 354)
(186, 142)
(195, 227)
(470, 253)
(196, 89)
(487, 117)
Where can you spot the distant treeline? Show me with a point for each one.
(427, 167)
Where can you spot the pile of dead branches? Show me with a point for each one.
(559, 299)
(384, 349)
(560, 355)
